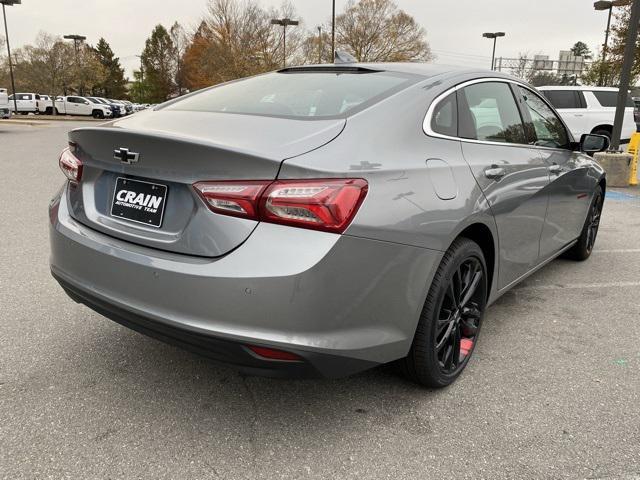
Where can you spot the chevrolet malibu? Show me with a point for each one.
(323, 220)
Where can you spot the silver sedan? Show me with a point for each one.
(324, 220)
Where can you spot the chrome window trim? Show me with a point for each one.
(426, 124)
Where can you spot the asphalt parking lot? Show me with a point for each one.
(553, 390)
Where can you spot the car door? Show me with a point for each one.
(570, 187)
(510, 172)
(72, 106)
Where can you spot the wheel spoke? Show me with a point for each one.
(471, 289)
(456, 347)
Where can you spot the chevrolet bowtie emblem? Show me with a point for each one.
(125, 156)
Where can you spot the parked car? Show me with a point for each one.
(122, 107)
(325, 220)
(590, 109)
(115, 109)
(45, 104)
(27, 103)
(75, 105)
(5, 108)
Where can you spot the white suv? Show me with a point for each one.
(590, 109)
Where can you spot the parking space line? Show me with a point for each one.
(579, 286)
(619, 250)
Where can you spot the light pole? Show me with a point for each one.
(600, 6)
(319, 45)
(625, 74)
(284, 22)
(6, 32)
(77, 40)
(333, 32)
(494, 36)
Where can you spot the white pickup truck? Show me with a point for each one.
(27, 103)
(5, 108)
(74, 105)
(590, 109)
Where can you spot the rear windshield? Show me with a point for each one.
(298, 95)
(610, 99)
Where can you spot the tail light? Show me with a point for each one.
(273, 354)
(239, 199)
(70, 165)
(328, 205)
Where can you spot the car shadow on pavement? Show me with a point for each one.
(144, 377)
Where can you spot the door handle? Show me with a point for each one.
(555, 168)
(494, 172)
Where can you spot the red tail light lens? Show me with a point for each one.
(239, 199)
(327, 205)
(70, 165)
(273, 354)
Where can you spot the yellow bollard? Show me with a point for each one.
(634, 143)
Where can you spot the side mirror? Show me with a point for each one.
(590, 143)
(87, 103)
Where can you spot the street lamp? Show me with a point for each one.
(284, 22)
(607, 5)
(6, 32)
(494, 36)
(77, 40)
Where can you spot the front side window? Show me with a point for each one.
(549, 130)
(302, 94)
(488, 111)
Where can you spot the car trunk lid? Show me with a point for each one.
(165, 153)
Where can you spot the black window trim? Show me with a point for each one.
(426, 124)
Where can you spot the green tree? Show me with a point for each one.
(114, 84)
(581, 49)
(158, 61)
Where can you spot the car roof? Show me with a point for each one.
(578, 87)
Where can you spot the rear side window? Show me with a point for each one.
(445, 117)
(488, 111)
(565, 98)
(298, 94)
(610, 99)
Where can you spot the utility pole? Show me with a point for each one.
(283, 22)
(494, 36)
(319, 45)
(625, 75)
(333, 32)
(77, 41)
(600, 6)
(6, 31)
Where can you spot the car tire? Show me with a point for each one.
(49, 111)
(98, 114)
(583, 248)
(447, 328)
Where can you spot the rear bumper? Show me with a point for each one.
(343, 304)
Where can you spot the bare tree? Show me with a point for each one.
(378, 31)
(180, 43)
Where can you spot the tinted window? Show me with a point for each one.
(445, 117)
(72, 100)
(549, 130)
(610, 99)
(488, 111)
(563, 98)
(316, 94)
(24, 96)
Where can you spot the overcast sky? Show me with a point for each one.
(454, 28)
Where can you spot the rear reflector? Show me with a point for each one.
(70, 165)
(328, 204)
(273, 354)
